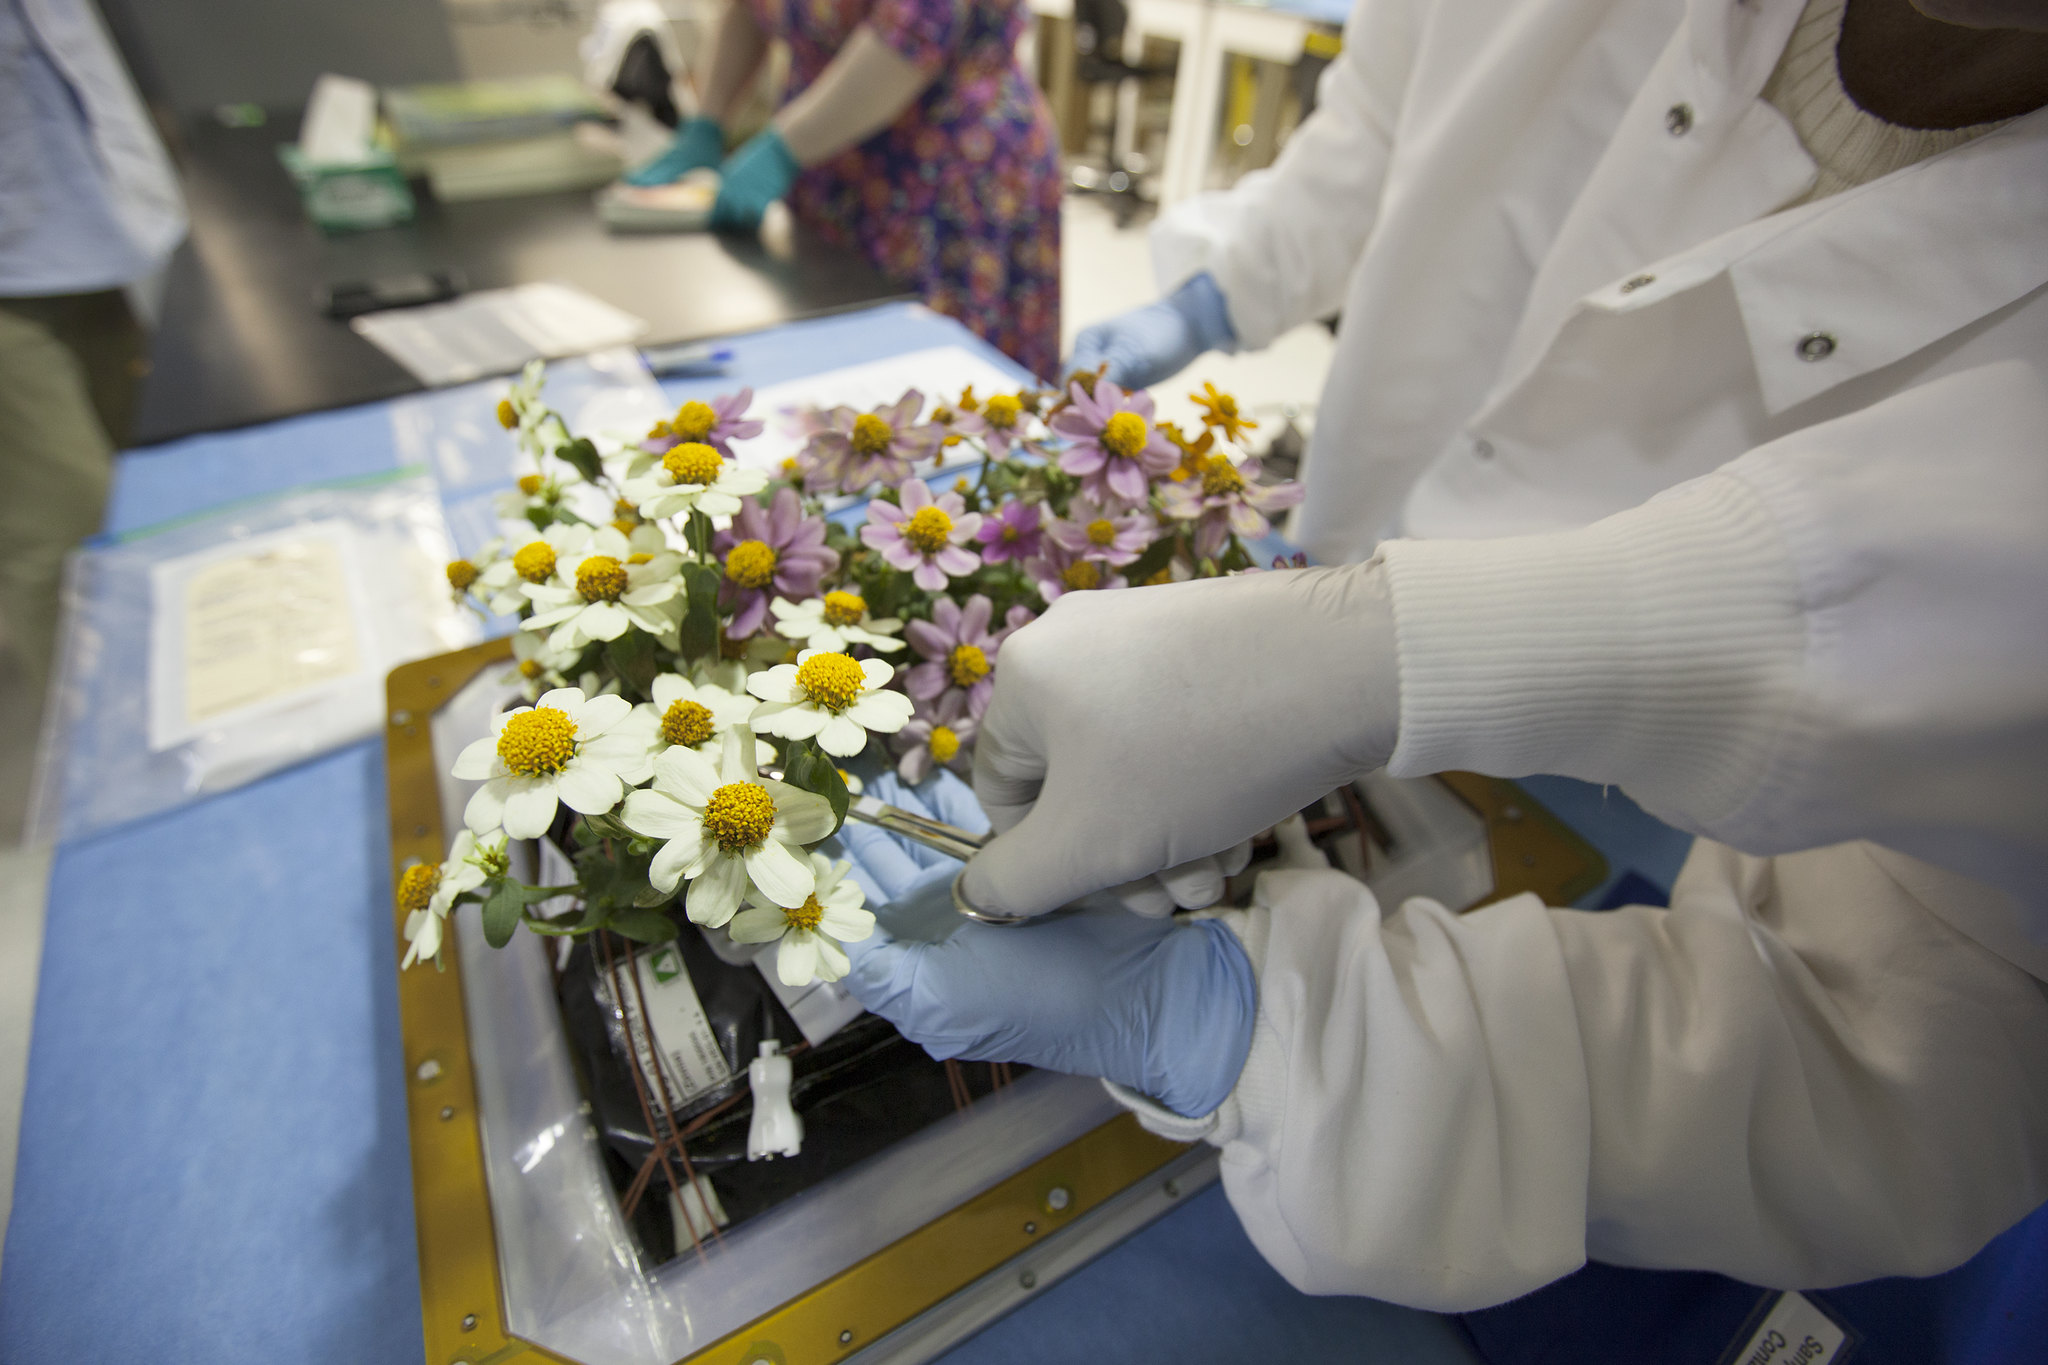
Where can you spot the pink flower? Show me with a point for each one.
(924, 535)
(717, 424)
(774, 551)
(1001, 424)
(1095, 532)
(855, 450)
(1012, 532)
(1056, 570)
(935, 737)
(959, 653)
(1117, 450)
(1226, 497)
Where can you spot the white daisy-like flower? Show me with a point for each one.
(837, 621)
(811, 931)
(831, 696)
(696, 715)
(607, 589)
(695, 477)
(536, 667)
(558, 751)
(725, 826)
(533, 561)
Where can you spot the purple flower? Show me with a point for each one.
(959, 653)
(717, 424)
(1011, 532)
(1224, 498)
(770, 551)
(1095, 532)
(924, 535)
(935, 737)
(1116, 450)
(855, 450)
(1056, 570)
(1001, 424)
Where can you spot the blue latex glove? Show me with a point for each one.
(1161, 1006)
(751, 179)
(700, 142)
(1156, 342)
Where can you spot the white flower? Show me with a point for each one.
(725, 826)
(532, 561)
(835, 621)
(538, 667)
(836, 698)
(812, 930)
(559, 750)
(695, 477)
(696, 716)
(608, 588)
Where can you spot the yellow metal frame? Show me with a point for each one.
(460, 1286)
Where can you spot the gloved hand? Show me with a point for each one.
(1161, 1006)
(1139, 730)
(1150, 344)
(751, 179)
(909, 886)
(700, 142)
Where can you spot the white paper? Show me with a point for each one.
(341, 113)
(1794, 1332)
(252, 627)
(495, 331)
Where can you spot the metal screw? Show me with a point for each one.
(1028, 1280)
(1630, 285)
(1030, 1229)
(1511, 813)
(1173, 1189)
(761, 1360)
(1678, 120)
(469, 1322)
(428, 1070)
(1528, 860)
(434, 682)
(1057, 1198)
(447, 1111)
(419, 831)
(846, 1336)
(400, 717)
(1816, 346)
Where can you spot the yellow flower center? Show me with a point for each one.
(639, 557)
(530, 484)
(417, 886)
(1220, 477)
(461, 573)
(1011, 533)
(790, 468)
(530, 668)
(967, 401)
(537, 743)
(833, 681)
(1165, 575)
(692, 462)
(844, 608)
(928, 529)
(739, 816)
(694, 420)
(624, 527)
(806, 916)
(1102, 531)
(601, 578)
(624, 511)
(1125, 434)
(687, 724)
(871, 435)
(1002, 411)
(943, 415)
(751, 563)
(944, 744)
(535, 562)
(508, 416)
(1082, 575)
(967, 665)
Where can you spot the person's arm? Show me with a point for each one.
(737, 48)
(1797, 1076)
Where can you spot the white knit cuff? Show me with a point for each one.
(1658, 649)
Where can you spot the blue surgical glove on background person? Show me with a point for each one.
(751, 179)
(699, 143)
(1158, 341)
(1161, 1006)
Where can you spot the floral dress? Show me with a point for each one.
(960, 197)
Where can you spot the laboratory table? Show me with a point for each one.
(213, 1158)
(243, 338)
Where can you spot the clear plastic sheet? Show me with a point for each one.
(204, 653)
(574, 1282)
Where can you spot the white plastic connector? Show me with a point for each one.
(776, 1129)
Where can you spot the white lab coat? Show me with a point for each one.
(1744, 511)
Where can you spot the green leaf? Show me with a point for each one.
(1156, 557)
(502, 913)
(582, 456)
(632, 658)
(807, 766)
(698, 634)
(644, 926)
(542, 517)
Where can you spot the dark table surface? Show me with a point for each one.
(243, 339)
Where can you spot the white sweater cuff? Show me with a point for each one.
(1658, 649)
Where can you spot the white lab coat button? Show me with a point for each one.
(1678, 120)
(1816, 346)
(1630, 285)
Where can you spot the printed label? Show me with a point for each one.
(674, 1028)
(1794, 1332)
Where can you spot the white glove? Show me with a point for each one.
(1145, 729)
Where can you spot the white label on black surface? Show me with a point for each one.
(1794, 1332)
(680, 1034)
